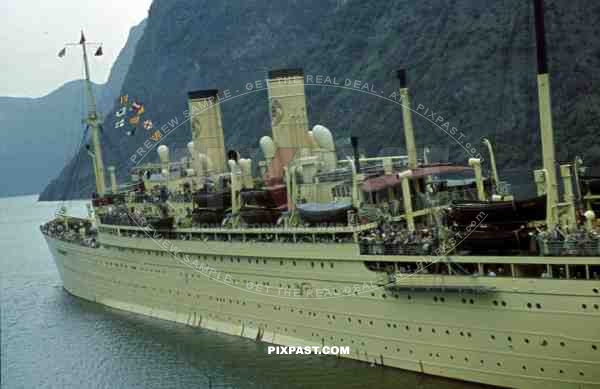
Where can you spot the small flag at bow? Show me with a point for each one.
(99, 52)
(62, 52)
(82, 40)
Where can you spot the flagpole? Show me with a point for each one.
(92, 121)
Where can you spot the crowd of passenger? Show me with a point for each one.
(559, 241)
(389, 239)
(73, 231)
(386, 240)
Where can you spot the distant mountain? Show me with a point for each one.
(471, 62)
(42, 134)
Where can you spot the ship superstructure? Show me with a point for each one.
(428, 267)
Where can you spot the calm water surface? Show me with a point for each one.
(51, 339)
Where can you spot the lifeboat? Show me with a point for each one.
(465, 212)
(213, 200)
(271, 197)
(335, 212)
(258, 216)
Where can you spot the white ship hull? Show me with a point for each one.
(527, 333)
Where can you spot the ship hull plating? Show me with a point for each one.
(526, 333)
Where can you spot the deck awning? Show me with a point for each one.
(378, 183)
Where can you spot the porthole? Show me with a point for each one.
(499, 364)
(529, 305)
(409, 297)
(322, 265)
(544, 342)
(447, 332)
(581, 373)
(481, 361)
(594, 347)
(495, 302)
(526, 340)
(331, 265)
(524, 367)
(433, 330)
(541, 370)
(435, 298)
(562, 344)
(407, 328)
(464, 301)
(503, 303)
(395, 326)
(419, 329)
(466, 359)
(294, 263)
(561, 371)
(584, 306)
(538, 306)
(493, 337)
(471, 301)
(312, 264)
(595, 290)
(509, 339)
(442, 299)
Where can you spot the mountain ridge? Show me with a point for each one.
(470, 61)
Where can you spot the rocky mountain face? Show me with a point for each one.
(42, 134)
(470, 63)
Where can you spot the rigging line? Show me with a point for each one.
(75, 166)
(77, 146)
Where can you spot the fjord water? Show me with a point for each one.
(51, 339)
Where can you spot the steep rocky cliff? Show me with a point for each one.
(469, 61)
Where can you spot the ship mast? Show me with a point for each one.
(92, 120)
(545, 110)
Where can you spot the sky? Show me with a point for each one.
(32, 32)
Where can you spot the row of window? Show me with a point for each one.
(419, 329)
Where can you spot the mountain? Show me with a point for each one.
(470, 62)
(42, 134)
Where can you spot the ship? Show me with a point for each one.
(429, 267)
